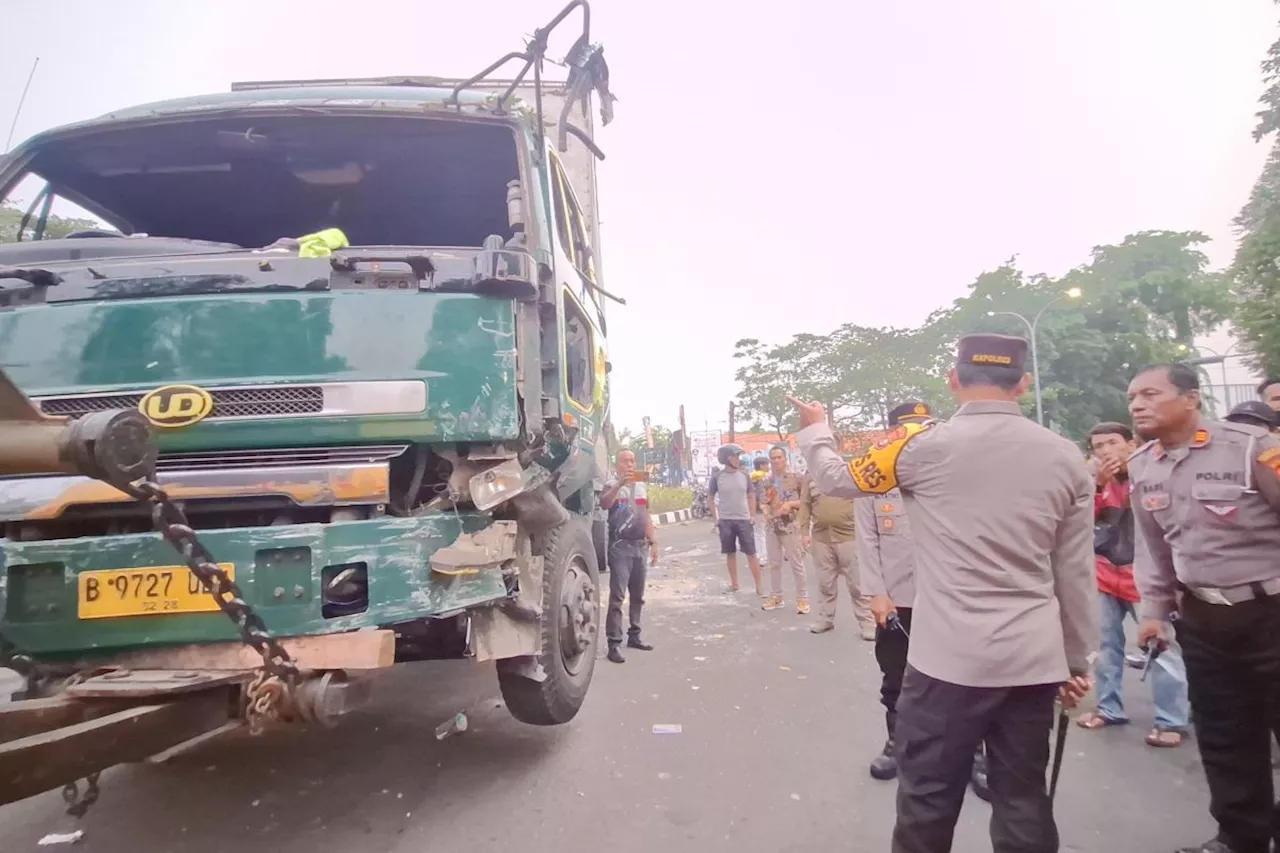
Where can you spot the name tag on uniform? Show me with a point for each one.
(1155, 501)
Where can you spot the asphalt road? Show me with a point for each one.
(778, 726)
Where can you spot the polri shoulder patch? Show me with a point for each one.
(874, 471)
(1270, 458)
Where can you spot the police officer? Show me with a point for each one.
(887, 555)
(1206, 505)
(888, 576)
(1004, 617)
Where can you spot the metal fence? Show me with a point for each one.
(1219, 399)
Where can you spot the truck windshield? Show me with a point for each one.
(383, 180)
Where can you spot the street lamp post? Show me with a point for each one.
(1032, 325)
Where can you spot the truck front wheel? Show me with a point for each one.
(570, 629)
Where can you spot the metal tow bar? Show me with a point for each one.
(119, 448)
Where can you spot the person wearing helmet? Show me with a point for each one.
(1255, 413)
(732, 498)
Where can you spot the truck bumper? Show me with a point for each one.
(279, 570)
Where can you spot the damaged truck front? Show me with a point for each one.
(365, 321)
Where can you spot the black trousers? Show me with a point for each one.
(628, 570)
(891, 655)
(1232, 654)
(939, 727)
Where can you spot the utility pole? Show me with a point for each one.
(731, 405)
(686, 451)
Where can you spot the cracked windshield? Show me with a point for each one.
(401, 450)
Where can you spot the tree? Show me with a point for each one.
(1253, 272)
(1145, 298)
(55, 227)
(766, 377)
(1143, 301)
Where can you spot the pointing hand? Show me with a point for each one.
(810, 413)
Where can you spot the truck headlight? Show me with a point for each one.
(497, 484)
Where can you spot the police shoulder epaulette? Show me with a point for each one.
(875, 470)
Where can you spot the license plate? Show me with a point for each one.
(154, 591)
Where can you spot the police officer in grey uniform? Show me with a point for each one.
(1005, 612)
(887, 554)
(1206, 505)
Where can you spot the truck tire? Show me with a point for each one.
(600, 536)
(570, 630)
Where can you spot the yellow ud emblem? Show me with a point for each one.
(176, 406)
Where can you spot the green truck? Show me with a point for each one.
(365, 321)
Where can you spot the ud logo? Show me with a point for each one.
(176, 406)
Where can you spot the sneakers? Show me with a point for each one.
(821, 627)
(884, 766)
(772, 602)
(802, 606)
(868, 633)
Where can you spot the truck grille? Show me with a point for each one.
(265, 401)
(285, 457)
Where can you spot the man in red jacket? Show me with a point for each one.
(1112, 443)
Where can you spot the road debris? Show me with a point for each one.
(454, 725)
(785, 668)
(668, 729)
(700, 659)
(795, 797)
(54, 838)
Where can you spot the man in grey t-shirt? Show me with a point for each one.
(733, 514)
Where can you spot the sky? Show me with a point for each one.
(772, 168)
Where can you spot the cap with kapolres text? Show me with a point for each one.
(983, 350)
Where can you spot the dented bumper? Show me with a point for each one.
(279, 569)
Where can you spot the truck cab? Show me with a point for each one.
(366, 321)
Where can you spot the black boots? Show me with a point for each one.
(615, 654)
(884, 766)
(637, 643)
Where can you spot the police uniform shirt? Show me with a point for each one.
(886, 559)
(1206, 514)
(1001, 513)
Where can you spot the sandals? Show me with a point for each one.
(1094, 720)
(1164, 738)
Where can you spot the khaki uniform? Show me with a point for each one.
(1208, 549)
(1001, 512)
(834, 555)
(782, 533)
(885, 550)
(1005, 608)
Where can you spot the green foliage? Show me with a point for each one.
(55, 227)
(667, 498)
(1144, 299)
(1254, 273)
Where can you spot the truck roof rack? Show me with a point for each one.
(587, 72)
(413, 81)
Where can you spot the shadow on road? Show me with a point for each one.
(361, 783)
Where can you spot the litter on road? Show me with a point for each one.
(668, 729)
(61, 838)
(454, 725)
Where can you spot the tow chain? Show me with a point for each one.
(272, 682)
(267, 691)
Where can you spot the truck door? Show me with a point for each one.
(584, 386)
